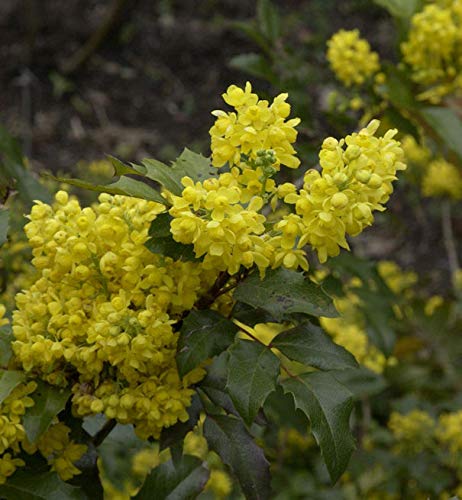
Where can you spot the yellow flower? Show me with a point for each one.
(351, 58)
(413, 432)
(442, 179)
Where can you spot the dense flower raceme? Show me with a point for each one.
(437, 176)
(100, 315)
(433, 49)
(351, 58)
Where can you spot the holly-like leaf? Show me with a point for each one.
(121, 168)
(30, 485)
(252, 373)
(310, 345)
(180, 480)
(4, 223)
(228, 437)
(203, 335)
(9, 379)
(447, 125)
(328, 405)
(161, 240)
(124, 185)
(283, 292)
(49, 401)
(117, 452)
(189, 164)
(401, 9)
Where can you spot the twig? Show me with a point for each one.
(103, 433)
(448, 237)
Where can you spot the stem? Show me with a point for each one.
(103, 433)
(209, 298)
(448, 237)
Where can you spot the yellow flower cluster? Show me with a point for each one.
(412, 432)
(400, 282)
(449, 433)
(433, 49)
(351, 58)
(59, 450)
(356, 179)
(442, 179)
(415, 153)
(12, 433)
(255, 125)
(99, 317)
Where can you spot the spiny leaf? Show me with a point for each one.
(189, 164)
(283, 292)
(204, 334)
(182, 480)
(30, 485)
(252, 373)
(310, 345)
(49, 401)
(9, 379)
(228, 437)
(328, 405)
(125, 186)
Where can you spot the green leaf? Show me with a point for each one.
(253, 64)
(203, 335)
(49, 401)
(162, 241)
(6, 336)
(9, 379)
(182, 480)
(190, 164)
(228, 437)
(268, 20)
(283, 292)
(4, 221)
(117, 452)
(121, 168)
(250, 315)
(401, 9)
(125, 185)
(399, 89)
(13, 166)
(447, 125)
(31, 485)
(252, 374)
(310, 345)
(361, 381)
(328, 405)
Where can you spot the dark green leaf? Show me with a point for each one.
(361, 381)
(49, 401)
(29, 485)
(182, 480)
(401, 8)
(204, 334)
(447, 125)
(6, 336)
(190, 164)
(162, 241)
(250, 315)
(117, 452)
(399, 90)
(252, 373)
(228, 437)
(125, 185)
(310, 345)
(328, 405)
(9, 379)
(177, 432)
(268, 20)
(12, 166)
(4, 220)
(283, 292)
(251, 30)
(121, 168)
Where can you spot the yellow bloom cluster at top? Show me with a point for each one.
(433, 49)
(351, 58)
(99, 317)
(255, 125)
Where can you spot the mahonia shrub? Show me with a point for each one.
(163, 318)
